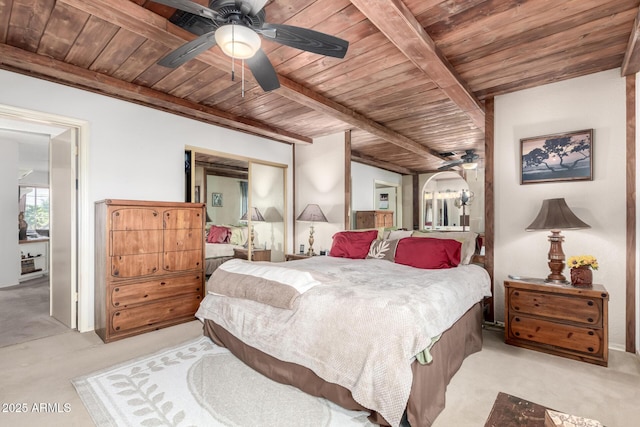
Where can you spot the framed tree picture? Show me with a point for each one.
(559, 157)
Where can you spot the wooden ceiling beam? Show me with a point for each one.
(397, 23)
(631, 61)
(134, 18)
(43, 67)
(366, 160)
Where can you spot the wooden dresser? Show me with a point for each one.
(561, 320)
(149, 262)
(256, 254)
(374, 219)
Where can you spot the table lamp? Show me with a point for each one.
(555, 215)
(255, 216)
(311, 213)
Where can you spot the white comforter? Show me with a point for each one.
(361, 329)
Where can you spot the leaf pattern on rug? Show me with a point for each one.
(152, 404)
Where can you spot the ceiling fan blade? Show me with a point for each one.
(191, 7)
(189, 50)
(263, 71)
(450, 164)
(307, 40)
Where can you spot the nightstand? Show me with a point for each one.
(256, 254)
(558, 319)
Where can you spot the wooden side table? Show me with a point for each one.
(256, 254)
(558, 319)
(293, 257)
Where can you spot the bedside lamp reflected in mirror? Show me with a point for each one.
(255, 216)
(555, 215)
(311, 213)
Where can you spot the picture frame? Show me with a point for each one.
(384, 201)
(557, 157)
(216, 200)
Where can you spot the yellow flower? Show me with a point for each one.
(583, 260)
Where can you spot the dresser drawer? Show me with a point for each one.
(182, 260)
(150, 315)
(123, 295)
(585, 310)
(128, 266)
(579, 339)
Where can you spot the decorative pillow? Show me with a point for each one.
(467, 238)
(218, 234)
(239, 236)
(428, 253)
(383, 249)
(399, 234)
(352, 244)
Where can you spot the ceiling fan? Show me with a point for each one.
(235, 26)
(467, 161)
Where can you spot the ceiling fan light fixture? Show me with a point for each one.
(237, 41)
(469, 166)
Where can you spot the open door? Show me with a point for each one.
(62, 238)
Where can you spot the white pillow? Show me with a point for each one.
(467, 238)
(399, 234)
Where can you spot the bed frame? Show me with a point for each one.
(427, 397)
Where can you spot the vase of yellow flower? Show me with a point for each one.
(582, 267)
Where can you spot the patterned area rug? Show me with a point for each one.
(201, 384)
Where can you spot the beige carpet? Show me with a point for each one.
(41, 371)
(24, 313)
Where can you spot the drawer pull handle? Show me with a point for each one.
(591, 333)
(117, 313)
(517, 334)
(516, 308)
(146, 295)
(116, 290)
(590, 349)
(517, 319)
(117, 328)
(590, 303)
(590, 320)
(516, 293)
(117, 304)
(163, 283)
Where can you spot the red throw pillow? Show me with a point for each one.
(352, 244)
(427, 252)
(218, 234)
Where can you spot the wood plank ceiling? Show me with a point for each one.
(412, 85)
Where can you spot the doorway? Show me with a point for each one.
(388, 197)
(67, 148)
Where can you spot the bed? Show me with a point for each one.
(221, 240)
(369, 334)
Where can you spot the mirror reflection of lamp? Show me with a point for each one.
(255, 216)
(311, 213)
(464, 200)
(555, 215)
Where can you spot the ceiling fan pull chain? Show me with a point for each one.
(243, 78)
(233, 53)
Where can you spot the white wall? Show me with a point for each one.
(134, 152)
(363, 188)
(9, 250)
(596, 101)
(320, 179)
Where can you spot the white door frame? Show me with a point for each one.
(84, 210)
